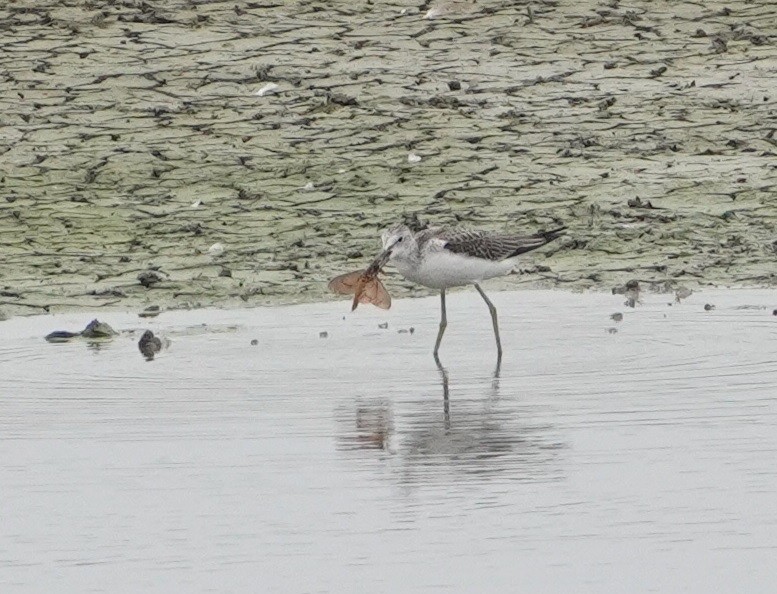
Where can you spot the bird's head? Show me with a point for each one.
(398, 243)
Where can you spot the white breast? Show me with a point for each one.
(443, 269)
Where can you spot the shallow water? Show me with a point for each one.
(642, 460)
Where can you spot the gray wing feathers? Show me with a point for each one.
(494, 246)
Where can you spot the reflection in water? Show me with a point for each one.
(477, 433)
(373, 426)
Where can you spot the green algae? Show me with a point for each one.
(133, 139)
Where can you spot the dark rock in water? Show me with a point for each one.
(61, 336)
(98, 329)
(149, 345)
(94, 329)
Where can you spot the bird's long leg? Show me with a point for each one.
(443, 324)
(492, 309)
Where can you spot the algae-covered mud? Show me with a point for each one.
(183, 153)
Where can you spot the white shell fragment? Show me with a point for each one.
(266, 89)
(216, 249)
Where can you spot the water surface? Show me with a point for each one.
(640, 460)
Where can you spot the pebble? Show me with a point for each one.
(617, 317)
(149, 278)
(323, 334)
(682, 293)
(254, 342)
(151, 311)
(708, 307)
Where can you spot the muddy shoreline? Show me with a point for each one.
(142, 136)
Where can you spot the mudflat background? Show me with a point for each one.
(142, 136)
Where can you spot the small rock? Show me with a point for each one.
(454, 85)
(254, 342)
(149, 345)
(98, 329)
(708, 307)
(149, 278)
(611, 330)
(413, 158)
(383, 326)
(61, 336)
(774, 313)
(617, 317)
(151, 311)
(412, 329)
(323, 334)
(682, 293)
(226, 272)
(216, 249)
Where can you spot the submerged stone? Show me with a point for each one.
(98, 329)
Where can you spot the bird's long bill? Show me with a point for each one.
(378, 263)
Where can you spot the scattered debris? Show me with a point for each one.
(617, 317)
(637, 203)
(631, 291)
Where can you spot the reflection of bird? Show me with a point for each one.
(440, 258)
(149, 345)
